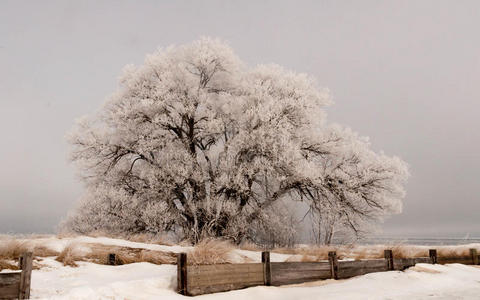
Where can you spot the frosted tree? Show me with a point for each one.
(197, 143)
(360, 187)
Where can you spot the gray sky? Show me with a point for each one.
(404, 73)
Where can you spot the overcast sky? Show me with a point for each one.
(404, 73)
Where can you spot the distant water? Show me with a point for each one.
(438, 241)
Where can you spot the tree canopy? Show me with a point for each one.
(198, 143)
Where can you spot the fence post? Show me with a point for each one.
(389, 257)
(267, 274)
(473, 253)
(433, 255)
(182, 273)
(112, 259)
(25, 277)
(332, 258)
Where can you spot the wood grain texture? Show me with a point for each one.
(182, 273)
(401, 264)
(26, 275)
(333, 261)
(267, 273)
(347, 269)
(9, 285)
(474, 255)
(455, 260)
(298, 272)
(204, 279)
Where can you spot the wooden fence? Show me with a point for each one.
(16, 285)
(195, 280)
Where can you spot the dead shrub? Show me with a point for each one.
(210, 251)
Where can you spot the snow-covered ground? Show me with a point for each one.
(149, 281)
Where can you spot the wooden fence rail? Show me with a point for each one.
(202, 279)
(16, 285)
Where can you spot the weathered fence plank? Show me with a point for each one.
(16, 285)
(347, 269)
(204, 279)
(466, 260)
(298, 272)
(401, 264)
(9, 285)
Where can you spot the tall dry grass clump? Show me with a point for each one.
(12, 249)
(453, 251)
(409, 251)
(209, 252)
(69, 255)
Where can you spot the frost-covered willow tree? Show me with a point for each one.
(197, 143)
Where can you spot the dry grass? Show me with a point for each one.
(157, 239)
(210, 251)
(7, 265)
(250, 246)
(408, 251)
(11, 249)
(452, 251)
(98, 253)
(319, 253)
(313, 253)
(42, 251)
(68, 256)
